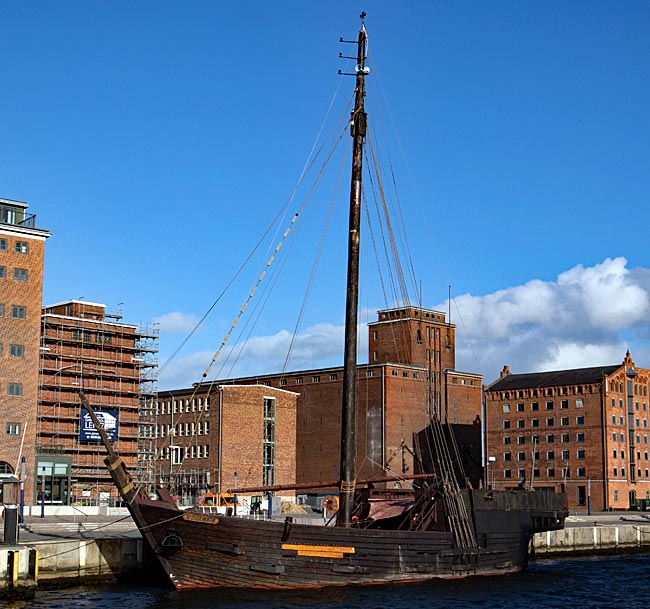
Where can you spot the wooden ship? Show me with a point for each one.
(438, 529)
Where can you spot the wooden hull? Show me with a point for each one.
(202, 550)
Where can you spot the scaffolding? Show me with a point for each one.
(85, 347)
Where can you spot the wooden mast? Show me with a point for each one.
(349, 407)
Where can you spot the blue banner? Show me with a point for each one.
(108, 419)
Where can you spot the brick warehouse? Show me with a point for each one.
(410, 376)
(584, 431)
(85, 347)
(22, 248)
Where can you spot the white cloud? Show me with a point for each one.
(588, 317)
(176, 322)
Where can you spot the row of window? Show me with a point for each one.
(635, 388)
(17, 311)
(20, 247)
(178, 453)
(550, 439)
(550, 391)
(639, 472)
(19, 274)
(182, 429)
(88, 336)
(550, 405)
(179, 406)
(550, 455)
(550, 473)
(550, 422)
(14, 350)
(621, 421)
(621, 438)
(13, 429)
(620, 403)
(621, 454)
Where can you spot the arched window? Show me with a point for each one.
(6, 469)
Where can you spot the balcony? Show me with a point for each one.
(16, 216)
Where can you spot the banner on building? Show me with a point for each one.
(87, 430)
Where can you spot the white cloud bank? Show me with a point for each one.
(587, 317)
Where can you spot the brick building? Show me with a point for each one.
(218, 437)
(22, 248)
(85, 347)
(410, 377)
(584, 431)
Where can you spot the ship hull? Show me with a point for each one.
(202, 550)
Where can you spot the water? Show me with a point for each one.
(611, 582)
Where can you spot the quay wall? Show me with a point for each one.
(592, 541)
(74, 561)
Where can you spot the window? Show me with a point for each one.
(507, 456)
(614, 420)
(394, 373)
(506, 440)
(3, 245)
(506, 408)
(579, 403)
(521, 440)
(565, 455)
(507, 473)
(550, 455)
(580, 420)
(565, 437)
(550, 422)
(581, 453)
(564, 421)
(22, 247)
(283, 382)
(550, 472)
(506, 424)
(615, 496)
(16, 351)
(18, 312)
(549, 405)
(520, 423)
(299, 382)
(521, 473)
(3, 272)
(613, 402)
(13, 429)
(315, 379)
(20, 274)
(521, 456)
(550, 438)
(614, 453)
(268, 447)
(614, 436)
(564, 404)
(2, 310)
(566, 472)
(580, 436)
(535, 422)
(15, 389)
(534, 406)
(520, 407)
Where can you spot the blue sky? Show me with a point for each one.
(156, 140)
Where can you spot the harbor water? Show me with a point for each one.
(612, 582)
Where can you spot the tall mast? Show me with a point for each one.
(349, 406)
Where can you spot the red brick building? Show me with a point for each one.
(85, 347)
(410, 377)
(22, 247)
(584, 431)
(222, 436)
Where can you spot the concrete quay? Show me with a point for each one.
(76, 548)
